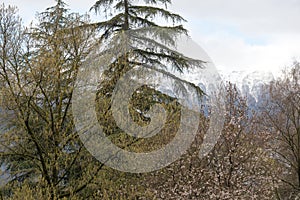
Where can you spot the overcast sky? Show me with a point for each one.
(236, 34)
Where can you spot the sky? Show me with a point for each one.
(238, 35)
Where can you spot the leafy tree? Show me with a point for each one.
(40, 148)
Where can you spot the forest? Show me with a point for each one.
(42, 151)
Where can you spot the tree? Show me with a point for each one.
(282, 118)
(152, 46)
(239, 166)
(151, 41)
(40, 148)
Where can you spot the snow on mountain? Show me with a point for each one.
(249, 83)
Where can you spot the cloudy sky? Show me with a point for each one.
(236, 34)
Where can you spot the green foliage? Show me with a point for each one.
(40, 150)
(41, 145)
(152, 46)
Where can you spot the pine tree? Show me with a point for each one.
(152, 46)
(152, 41)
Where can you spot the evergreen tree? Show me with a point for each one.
(152, 46)
(150, 40)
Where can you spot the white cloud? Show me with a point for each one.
(234, 53)
(239, 35)
(245, 35)
(252, 16)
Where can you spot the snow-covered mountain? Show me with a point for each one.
(249, 83)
